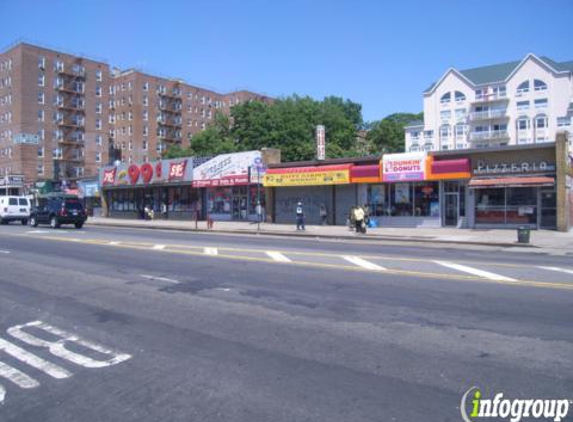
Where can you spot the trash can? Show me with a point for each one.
(523, 233)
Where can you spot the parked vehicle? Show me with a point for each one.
(14, 208)
(56, 210)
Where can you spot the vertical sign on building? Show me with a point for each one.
(320, 143)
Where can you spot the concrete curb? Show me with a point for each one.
(314, 236)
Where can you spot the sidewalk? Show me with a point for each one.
(545, 239)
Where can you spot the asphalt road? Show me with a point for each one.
(145, 325)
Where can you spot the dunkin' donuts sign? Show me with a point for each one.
(403, 167)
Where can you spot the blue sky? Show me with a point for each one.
(382, 54)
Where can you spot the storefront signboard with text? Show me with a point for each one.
(227, 169)
(307, 178)
(483, 167)
(403, 167)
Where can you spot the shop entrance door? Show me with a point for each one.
(548, 209)
(451, 209)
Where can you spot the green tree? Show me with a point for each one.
(387, 135)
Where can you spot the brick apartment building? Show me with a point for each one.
(62, 114)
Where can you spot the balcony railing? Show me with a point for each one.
(487, 98)
(489, 114)
(489, 135)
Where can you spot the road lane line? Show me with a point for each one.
(34, 361)
(363, 263)
(4, 252)
(561, 270)
(152, 277)
(277, 256)
(474, 271)
(210, 251)
(114, 243)
(17, 377)
(159, 247)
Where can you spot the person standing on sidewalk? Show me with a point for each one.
(323, 214)
(299, 217)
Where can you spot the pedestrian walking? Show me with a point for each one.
(359, 220)
(299, 217)
(323, 214)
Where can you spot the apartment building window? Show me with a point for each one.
(444, 131)
(98, 90)
(98, 75)
(59, 66)
(123, 130)
(189, 123)
(98, 108)
(563, 121)
(145, 115)
(130, 99)
(541, 122)
(57, 153)
(130, 115)
(123, 86)
(40, 115)
(112, 133)
(146, 86)
(523, 88)
(40, 170)
(41, 79)
(42, 62)
(98, 124)
(203, 126)
(145, 130)
(522, 141)
(539, 85)
(461, 130)
(98, 140)
(415, 135)
(189, 108)
(541, 103)
(112, 118)
(523, 123)
(98, 157)
(428, 134)
(145, 101)
(130, 146)
(41, 97)
(40, 152)
(445, 114)
(446, 98)
(459, 96)
(144, 145)
(129, 86)
(522, 105)
(130, 130)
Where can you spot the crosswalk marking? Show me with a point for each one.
(277, 256)
(363, 263)
(474, 271)
(159, 247)
(561, 270)
(210, 251)
(34, 361)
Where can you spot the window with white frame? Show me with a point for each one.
(541, 103)
(460, 113)
(445, 131)
(539, 85)
(145, 115)
(563, 121)
(145, 101)
(146, 86)
(445, 114)
(428, 134)
(98, 124)
(40, 152)
(40, 170)
(523, 87)
(98, 139)
(40, 115)
(41, 97)
(461, 130)
(145, 130)
(42, 62)
(98, 157)
(541, 122)
(130, 145)
(98, 108)
(41, 79)
(98, 90)
(522, 105)
(99, 75)
(459, 96)
(144, 145)
(130, 130)
(446, 98)
(523, 123)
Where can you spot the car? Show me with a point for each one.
(14, 208)
(57, 210)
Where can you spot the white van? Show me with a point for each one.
(14, 208)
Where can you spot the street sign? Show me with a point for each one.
(320, 142)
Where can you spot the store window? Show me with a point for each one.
(219, 200)
(506, 206)
(404, 199)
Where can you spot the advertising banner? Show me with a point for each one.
(228, 169)
(310, 177)
(404, 167)
(147, 173)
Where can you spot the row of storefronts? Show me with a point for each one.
(489, 188)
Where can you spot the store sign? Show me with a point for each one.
(108, 176)
(313, 178)
(320, 142)
(12, 180)
(227, 169)
(511, 168)
(403, 167)
(177, 170)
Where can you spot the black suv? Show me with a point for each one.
(56, 211)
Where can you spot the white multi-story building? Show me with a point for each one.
(522, 102)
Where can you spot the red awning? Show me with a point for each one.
(451, 166)
(512, 182)
(372, 170)
(309, 169)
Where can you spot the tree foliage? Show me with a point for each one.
(290, 123)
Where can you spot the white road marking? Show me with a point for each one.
(17, 377)
(58, 347)
(37, 232)
(223, 289)
(159, 247)
(4, 252)
(52, 370)
(363, 263)
(561, 270)
(114, 243)
(210, 251)
(152, 277)
(474, 271)
(277, 256)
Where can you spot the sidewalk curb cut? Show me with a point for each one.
(306, 236)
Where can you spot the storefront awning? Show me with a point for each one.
(365, 174)
(451, 166)
(511, 182)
